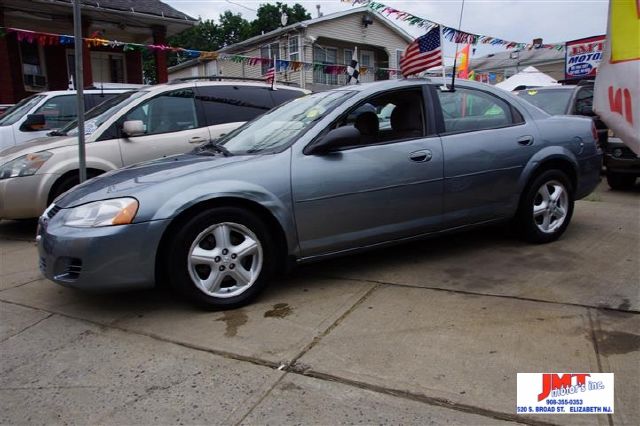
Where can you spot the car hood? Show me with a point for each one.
(39, 144)
(133, 180)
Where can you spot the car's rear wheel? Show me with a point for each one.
(221, 258)
(546, 207)
(620, 181)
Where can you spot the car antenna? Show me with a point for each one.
(455, 58)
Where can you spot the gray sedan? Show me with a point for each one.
(323, 175)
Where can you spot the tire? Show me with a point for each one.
(205, 263)
(620, 181)
(63, 185)
(538, 215)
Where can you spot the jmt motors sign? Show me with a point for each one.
(582, 57)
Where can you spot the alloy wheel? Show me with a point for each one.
(225, 260)
(550, 206)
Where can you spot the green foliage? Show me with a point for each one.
(268, 18)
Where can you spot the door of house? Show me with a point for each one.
(366, 60)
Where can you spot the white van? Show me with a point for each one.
(151, 123)
(38, 114)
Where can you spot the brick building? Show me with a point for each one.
(30, 67)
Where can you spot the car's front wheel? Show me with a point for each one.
(546, 207)
(221, 258)
(620, 181)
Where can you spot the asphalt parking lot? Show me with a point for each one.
(431, 332)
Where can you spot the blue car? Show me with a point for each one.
(324, 175)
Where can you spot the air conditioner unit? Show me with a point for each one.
(35, 81)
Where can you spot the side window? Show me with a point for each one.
(58, 111)
(230, 104)
(281, 96)
(387, 118)
(584, 101)
(169, 112)
(468, 110)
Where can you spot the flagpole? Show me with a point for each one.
(444, 70)
(455, 58)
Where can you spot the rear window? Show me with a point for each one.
(554, 102)
(230, 104)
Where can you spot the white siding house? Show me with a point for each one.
(329, 39)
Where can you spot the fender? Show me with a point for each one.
(546, 154)
(280, 208)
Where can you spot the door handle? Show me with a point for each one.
(197, 139)
(525, 140)
(421, 156)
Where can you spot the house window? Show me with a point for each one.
(33, 73)
(294, 48)
(108, 67)
(325, 55)
(348, 56)
(271, 51)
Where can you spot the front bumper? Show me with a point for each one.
(100, 259)
(25, 197)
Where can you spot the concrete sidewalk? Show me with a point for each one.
(432, 332)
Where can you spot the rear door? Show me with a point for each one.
(486, 144)
(229, 106)
(173, 125)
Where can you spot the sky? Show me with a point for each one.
(513, 20)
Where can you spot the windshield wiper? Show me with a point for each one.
(56, 133)
(211, 148)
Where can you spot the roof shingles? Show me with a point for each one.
(149, 7)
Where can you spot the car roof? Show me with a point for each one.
(203, 82)
(549, 88)
(87, 91)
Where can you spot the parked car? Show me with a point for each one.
(35, 116)
(622, 165)
(309, 180)
(133, 127)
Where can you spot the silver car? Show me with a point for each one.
(311, 179)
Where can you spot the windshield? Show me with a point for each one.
(553, 101)
(280, 126)
(19, 110)
(98, 115)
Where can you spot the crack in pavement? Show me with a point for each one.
(26, 328)
(474, 293)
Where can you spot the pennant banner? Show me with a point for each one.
(280, 65)
(449, 33)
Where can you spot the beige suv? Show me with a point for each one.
(136, 126)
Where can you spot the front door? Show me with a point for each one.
(486, 145)
(172, 126)
(387, 187)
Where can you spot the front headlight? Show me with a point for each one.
(118, 211)
(26, 165)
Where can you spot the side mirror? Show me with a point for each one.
(133, 128)
(33, 123)
(335, 139)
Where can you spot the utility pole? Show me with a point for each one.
(79, 86)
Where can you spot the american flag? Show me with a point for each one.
(270, 75)
(423, 53)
